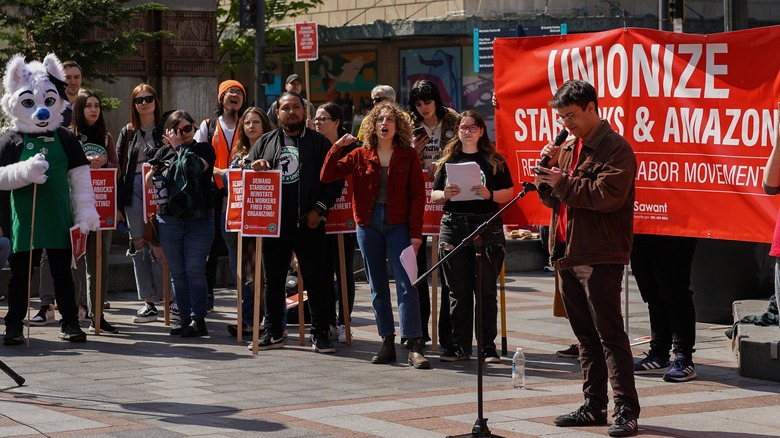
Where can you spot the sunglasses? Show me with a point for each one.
(472, 128)
(145, 99)
(424, 89)
(187, 129)
(377, 99)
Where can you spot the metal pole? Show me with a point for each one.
(260, 55)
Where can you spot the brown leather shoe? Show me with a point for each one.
(416, 357)
(387, 352)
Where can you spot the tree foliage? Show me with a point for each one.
(94, 33)
(237, 46)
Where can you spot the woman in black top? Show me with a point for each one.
(186, 229)
(460, 219)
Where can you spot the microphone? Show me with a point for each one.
(529, 187)
(559, 139)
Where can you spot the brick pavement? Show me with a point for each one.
(143, 382)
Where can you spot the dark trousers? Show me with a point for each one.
(218, 247)
(662, 268)
(591, 295)
(460, 271)
(334, 299)
(309, 246)
(59, 264)
(425, 299)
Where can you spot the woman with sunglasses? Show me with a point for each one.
(434, 126)
(460, 219)
(329, 122)
(388, 204)
(88, 124)
(186, 234)
(137, 143)
(253, 124)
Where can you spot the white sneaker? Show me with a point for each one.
(173, 310)
(333, 333)
(147, 313)
(343, 333)
(45, 316)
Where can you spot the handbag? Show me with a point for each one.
(150, 232)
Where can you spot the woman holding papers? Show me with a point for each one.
(388, 204)
(466, 207)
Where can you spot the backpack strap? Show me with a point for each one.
(129, 133)
(211, 128)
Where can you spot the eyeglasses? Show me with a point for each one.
(141, 100)
(321, 119)
(378, 99)
(469, 128)
(187, 129)
(234, 91)
(563, 119)
(423, 89)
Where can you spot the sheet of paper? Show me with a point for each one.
(465, 176)
(78, 243)
(409, 262)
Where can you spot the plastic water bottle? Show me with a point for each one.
(518, 369)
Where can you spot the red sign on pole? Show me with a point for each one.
(262, 203)
(150, 204)
(340, 217)
(104, 187)
(306, 45)
(433, 211)
(235, 201)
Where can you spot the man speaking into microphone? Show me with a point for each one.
(589, 184)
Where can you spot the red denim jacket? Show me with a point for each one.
(405, 185)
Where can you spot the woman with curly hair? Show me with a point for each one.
(388, 204)
(460, 219)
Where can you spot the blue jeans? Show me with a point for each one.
(378, 241)
(186, 243)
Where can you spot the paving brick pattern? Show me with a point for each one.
(144, 382)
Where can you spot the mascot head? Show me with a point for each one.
(34, 95)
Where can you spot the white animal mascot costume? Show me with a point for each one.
(41, 162)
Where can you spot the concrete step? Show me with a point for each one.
(758, 348)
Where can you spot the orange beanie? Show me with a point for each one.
(229, 84)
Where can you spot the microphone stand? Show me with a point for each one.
(480, 429)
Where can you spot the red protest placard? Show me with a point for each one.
(104, 188)
(433, 211)
(150, 205)
(78, 245)
(306, 45)
(262, 205)
(235, 201)
(699, 115)
(340, 217)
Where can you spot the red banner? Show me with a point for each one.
(104, 188)
(235, 200)
(700, 112)
(433, 211)
(262, 206)
(340, 217)
(306, 45)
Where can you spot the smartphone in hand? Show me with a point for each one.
(418, 131)
(539, 171)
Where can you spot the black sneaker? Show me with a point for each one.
(270, 341)
(72, 332)
(196, 328)
(105, 327)
(322, 343)
(625, 423)
(245, 330)
(572, 352)
(585, 415)
(490, 355)
(454, 354)
(179, 326)
(13, 335)
(147, 313)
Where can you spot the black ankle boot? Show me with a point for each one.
(196, 328)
